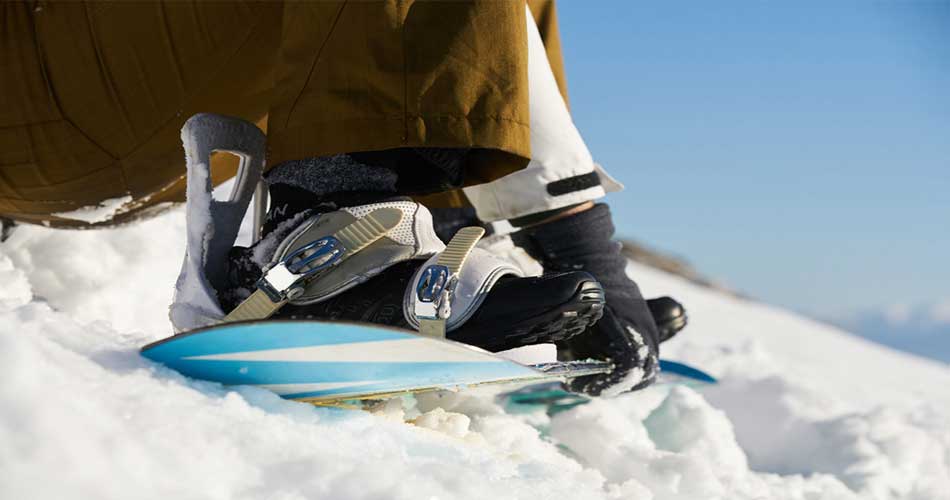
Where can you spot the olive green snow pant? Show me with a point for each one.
(92, 95)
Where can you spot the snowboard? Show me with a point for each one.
(339, 363)
(552, 398)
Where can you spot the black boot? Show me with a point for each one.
(515, 313)
(669, 315)
(627, 334)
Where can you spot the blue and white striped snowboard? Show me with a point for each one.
(331, 363)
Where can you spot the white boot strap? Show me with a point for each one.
(463, 290)
(434, 290)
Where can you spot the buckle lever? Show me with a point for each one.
(432, 291)
(299, 266)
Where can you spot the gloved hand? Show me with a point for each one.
(627, 334)
(633, 355)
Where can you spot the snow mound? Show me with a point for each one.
(804, 411)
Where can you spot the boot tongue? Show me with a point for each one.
(324, 184)
(328, 183)
(287, 201)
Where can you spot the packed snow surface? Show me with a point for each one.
(102, 212)
(803, 410)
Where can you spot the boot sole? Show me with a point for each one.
(558, 324)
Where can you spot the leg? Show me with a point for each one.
(561, 172)
(380, 76)
(85, 119)
(344, 143)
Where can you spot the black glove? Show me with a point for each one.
(627, 334)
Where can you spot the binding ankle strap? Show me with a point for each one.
(286, 279)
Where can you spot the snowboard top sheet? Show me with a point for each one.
(323, 361)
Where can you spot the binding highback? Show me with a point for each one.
(213, 225)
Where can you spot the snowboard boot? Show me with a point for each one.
(492, 307)
(669, 316)
(338, 244)
(627, 334)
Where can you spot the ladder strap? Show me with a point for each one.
(455, 253)
(453, 258)
(257, 306)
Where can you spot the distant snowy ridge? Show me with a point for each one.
(804, 410)
(669, 263)
(922, 329)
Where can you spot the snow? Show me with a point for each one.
(531, 354)
(104, 211)
(803, 410)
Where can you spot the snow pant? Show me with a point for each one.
(561, 171)
(92, 96)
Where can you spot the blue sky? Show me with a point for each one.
(798, 151)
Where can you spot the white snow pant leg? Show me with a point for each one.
(561, 171)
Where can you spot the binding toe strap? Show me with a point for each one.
(448, 289)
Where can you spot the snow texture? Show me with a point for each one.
(102, 212)
(804, 411)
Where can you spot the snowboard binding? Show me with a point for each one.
(357, 263)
